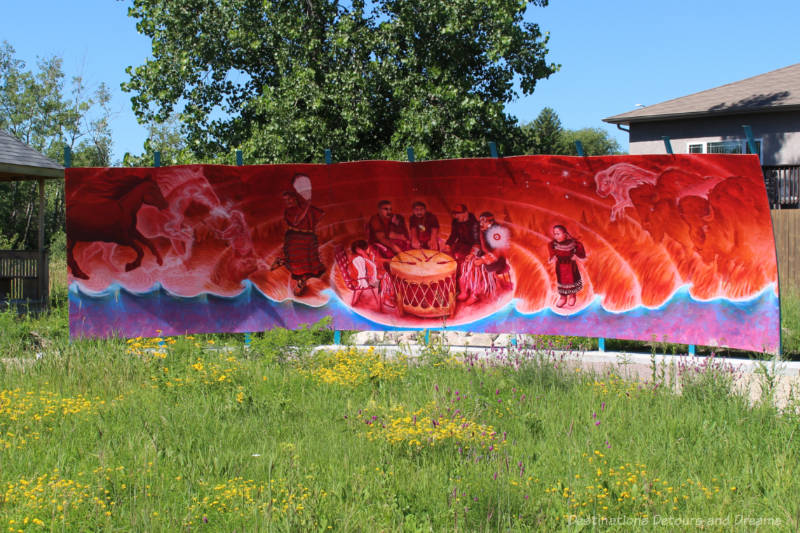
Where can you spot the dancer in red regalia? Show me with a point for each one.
(300, 243)
(564, 250)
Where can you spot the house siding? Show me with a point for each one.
(779, 133)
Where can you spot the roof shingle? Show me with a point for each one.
(18, 160)
(775, 90)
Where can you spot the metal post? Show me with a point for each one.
(748, 131)
(691, 349)
(156, 159)
(337, 334)
(493, 149)
(579, 148)
(667, 144)
(410, 152)
(601, 344)
(240, 162)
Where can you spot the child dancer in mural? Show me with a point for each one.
(387, 231)
(564, 249)
(479, 272)
(300, 243)
(423, 227)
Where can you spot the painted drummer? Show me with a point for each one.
(387, 231)
(464, 236)
(300, 243)
(423, 227)
(478, 276)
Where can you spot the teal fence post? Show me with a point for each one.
(751, 142)
(67, 157)
(691, 349)
(240, 162)
(156, 159)
(410, 152)
(493, 149)
(601, 344)
(337, 334)
(579, 148)
(667, 144)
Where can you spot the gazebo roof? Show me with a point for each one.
(18, 161)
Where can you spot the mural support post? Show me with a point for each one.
(667, 144)
(691, 350)
(157, 163)
(601, 342)
(240, 162)
(337, 334)
(751, 142)
(493, 149)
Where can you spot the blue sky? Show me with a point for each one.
(614, 54)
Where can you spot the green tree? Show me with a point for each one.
(169, 140)
(35, 108)
(284, 80)
(545, 135)
(595, 141)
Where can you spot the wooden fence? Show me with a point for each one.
(786, 224)
(24, 278)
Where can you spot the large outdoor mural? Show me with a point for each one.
(675, 247)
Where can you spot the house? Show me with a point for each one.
(711, 122)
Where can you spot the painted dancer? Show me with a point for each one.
(387, 231)
(478, 276)
(300, 243)
(564, 250)
(423, 227)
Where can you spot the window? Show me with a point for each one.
(695, 148)
(738, 146)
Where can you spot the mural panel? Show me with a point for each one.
(679, 248)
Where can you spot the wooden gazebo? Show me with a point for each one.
(24, 274)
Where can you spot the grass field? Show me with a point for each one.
(186, 434)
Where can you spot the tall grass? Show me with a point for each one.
(186, 434)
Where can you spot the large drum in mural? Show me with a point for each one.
(676, 247)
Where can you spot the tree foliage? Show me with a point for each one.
(41, 110)
(546, 135)
(283, 80)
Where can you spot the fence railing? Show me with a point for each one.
(24, 277)
(783, 186)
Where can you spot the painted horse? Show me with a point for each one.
(106, 212)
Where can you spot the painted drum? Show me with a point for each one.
(424, 283)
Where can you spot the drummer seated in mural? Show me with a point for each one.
(423, 227)
(387, 232)
(479, 275)
(464, 236)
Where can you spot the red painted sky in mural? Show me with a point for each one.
(631, 232)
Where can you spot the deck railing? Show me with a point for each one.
(783, 186)
(24, 277)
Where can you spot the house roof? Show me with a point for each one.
(18, 161)
(778, 90)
